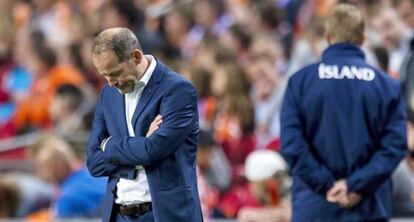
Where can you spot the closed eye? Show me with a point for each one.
(115, 74)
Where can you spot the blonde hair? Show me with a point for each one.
(345, 24)
(60, 149)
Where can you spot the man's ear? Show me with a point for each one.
(137, 56)
(329, 38)
(361, 40)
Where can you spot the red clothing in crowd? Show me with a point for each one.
(237, 197)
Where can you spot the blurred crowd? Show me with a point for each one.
(237, 53)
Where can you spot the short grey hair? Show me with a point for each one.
(121, 40)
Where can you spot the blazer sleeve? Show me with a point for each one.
(179, 111)
(97, 164)
(295, 147)
(393, 147)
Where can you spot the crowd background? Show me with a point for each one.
(238, 54)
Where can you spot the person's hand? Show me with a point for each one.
(264, 214)
(154, 125)
(350, 200)
(353, 199)
(338, 194)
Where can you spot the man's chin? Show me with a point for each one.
(124, 91)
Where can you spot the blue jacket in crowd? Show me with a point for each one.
(81, 196)
(342, 119)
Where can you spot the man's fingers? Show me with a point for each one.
(333, 199)
(334, 191)
(350, 200)
(354, 195)
(154, 125)
(344, 201)
(338, 191)
(354, 199)
(157, 121)
(336, 194)
(151, 130)
(158, 117)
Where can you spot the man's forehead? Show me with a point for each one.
(106, 60)
(106, 55)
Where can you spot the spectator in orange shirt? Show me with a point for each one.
(48, 76)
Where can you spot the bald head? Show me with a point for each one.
(345, 24)
(121, 41)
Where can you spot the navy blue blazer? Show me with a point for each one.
(168, 155)
(342, 118)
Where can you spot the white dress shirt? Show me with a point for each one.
(137, 190)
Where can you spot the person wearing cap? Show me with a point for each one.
(343, 130)
(266, 195)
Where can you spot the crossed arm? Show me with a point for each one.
(179, 115)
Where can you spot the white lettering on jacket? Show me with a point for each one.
(345, 72)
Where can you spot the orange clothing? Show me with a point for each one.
(34, 109)
(323, 7)
(236, 145)
(242, 195)
(40, 216)
(227, 127)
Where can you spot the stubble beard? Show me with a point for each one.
(128, 87)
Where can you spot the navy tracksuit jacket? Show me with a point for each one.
(342, 119)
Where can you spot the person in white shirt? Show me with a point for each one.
(151, 167)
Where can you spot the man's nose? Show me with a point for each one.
(112, 82)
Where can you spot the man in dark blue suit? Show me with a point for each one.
(151, 167)
(343, 130)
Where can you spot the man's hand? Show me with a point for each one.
(154, 125)
(353, 198)
(339, 194)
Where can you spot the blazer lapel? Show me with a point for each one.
(121, 118)
(119, 110)
(149, 90)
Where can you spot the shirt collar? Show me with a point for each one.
(147, 75)
(340, 50)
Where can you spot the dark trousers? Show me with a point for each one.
(147, 217)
